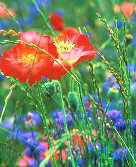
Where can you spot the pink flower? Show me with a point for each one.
(126, 8)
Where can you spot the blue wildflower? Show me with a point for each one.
(59, 118)
(35, 149)
(87, 103)
(120, 125)
(32, 163)
(32, 119)
(7, 25)
(2, 77)
(97, 149)
(81, 163)
(28, 152)
(25, 21)
(114, 115)
(120, 24)
(103, 103)
(15, 133)
(131, 68)
(91, 148)
(33, 11)
(110, 85)
(120, 154)
(8, 123)
(3, 25)
(42, 147)
(28, 138)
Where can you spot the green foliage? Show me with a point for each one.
(53, 95)
(114, 53)
(74, 101)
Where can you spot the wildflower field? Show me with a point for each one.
(68, 83)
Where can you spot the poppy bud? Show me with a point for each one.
(57, 22)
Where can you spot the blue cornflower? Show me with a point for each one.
(104, 103)
(8, 123)
(25, 21)
(132, 71)
(105, 149)
(120, 125)
(33, 12)
(87, 103)
(32, 119)
(131, 68)
(41, 147)
(35, 149)
(59, 118)
(91, 148)
(28, 138)
(3, 24)
(8, 128)
(120, 154)
(32, 163)
(19, 22)
(28, 152)
(15, 133)
(2, 77)
(114, 115)
(97, 149)
(110, 85)
(120, 24)
(81, 163)
(90, 116)
(7, 25)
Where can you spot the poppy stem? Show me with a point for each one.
(6, 101)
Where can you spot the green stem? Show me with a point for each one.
(6, 101)
(43, 16)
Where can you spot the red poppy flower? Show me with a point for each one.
(29, 64)
(57, 22)
(42, 41)
(126, 8)
(73, 48)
